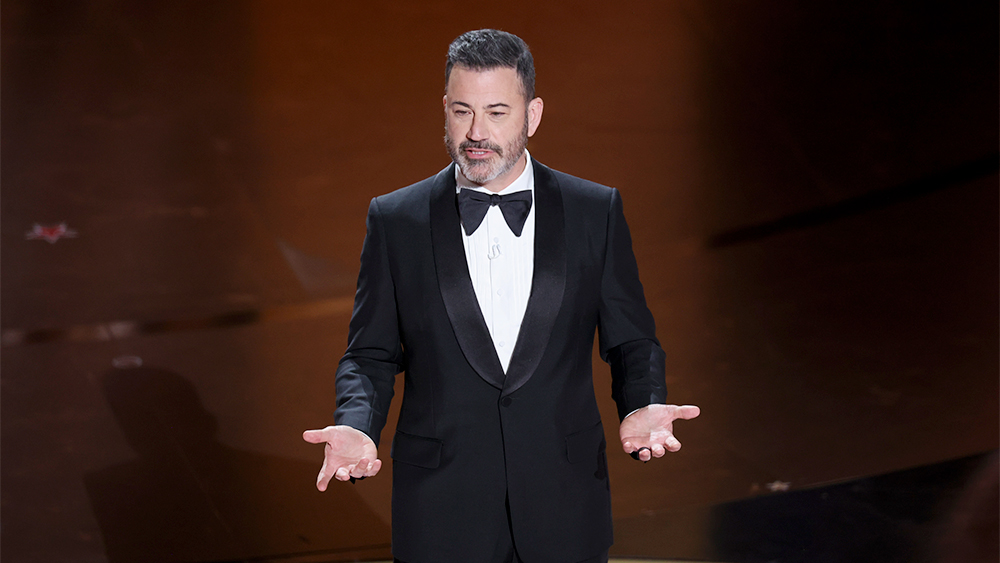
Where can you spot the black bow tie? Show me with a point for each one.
(473, 205)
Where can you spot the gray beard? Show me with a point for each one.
(473, 171)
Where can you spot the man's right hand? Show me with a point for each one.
(349, 453)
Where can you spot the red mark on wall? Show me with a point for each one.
(50, 233)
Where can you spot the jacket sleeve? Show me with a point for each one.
(626, 330)
(374, 355)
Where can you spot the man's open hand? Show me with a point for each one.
(650, 430)
(349, 453)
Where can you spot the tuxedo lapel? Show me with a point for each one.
(548, 281)
(456, 286)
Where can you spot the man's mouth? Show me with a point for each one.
(479, 153)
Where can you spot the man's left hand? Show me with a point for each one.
(650, 430)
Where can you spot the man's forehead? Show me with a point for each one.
(499, 80)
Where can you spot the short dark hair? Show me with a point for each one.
(487, 49)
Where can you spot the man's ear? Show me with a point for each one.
(535, 108)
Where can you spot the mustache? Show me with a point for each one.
(481, 145)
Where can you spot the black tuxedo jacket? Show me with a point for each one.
(470, 436)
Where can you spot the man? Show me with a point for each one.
(485, 284)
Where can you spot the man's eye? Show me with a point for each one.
(498, 114)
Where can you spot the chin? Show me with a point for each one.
(478, 173)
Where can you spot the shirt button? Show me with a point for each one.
(501, 344)
(496, 239)
(499, 292)
(506, 401)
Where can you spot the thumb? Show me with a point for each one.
(314, 436)
(687, 412)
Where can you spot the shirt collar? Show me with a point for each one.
(525, 181)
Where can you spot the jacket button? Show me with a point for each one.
(506, 401)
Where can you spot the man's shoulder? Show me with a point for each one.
(574, 187)
(412, 197)
(419, 189)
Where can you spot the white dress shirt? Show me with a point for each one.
(501, 265)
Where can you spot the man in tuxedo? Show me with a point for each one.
(484, 285)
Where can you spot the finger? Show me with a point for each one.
(376, 465)
(343, 473)
(687, 412)
(323, 479)
(628, 447)
(672, 444)
(658, 450)
(360, 469)
(638, 454)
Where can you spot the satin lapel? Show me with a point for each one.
(456, 286)
(547, 284)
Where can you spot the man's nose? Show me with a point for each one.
(477, 130)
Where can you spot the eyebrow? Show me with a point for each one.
(490, 106)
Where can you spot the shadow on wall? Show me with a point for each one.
(940, 513)
(188, 497)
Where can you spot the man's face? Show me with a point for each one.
(487, 124)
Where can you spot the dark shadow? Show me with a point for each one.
(188, 497)
(927, 514)
(879, 199)
(970, 531)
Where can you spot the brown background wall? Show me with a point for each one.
(812, 191)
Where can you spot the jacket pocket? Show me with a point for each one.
(585, 444)
(416, 450)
